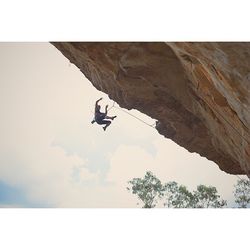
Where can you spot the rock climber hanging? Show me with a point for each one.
(102, 118)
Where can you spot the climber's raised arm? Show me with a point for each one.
(96, 103)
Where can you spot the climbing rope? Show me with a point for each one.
(153, 125)
(150, 125)
(112, 106)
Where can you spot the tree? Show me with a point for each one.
(148, 189)
(203, 197)
(242, 193)
(207, 197)
(178, 196)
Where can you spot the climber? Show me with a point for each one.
(101, 118)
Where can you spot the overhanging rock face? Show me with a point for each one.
(199, 92)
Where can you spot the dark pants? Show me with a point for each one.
(100, 119)
(103, 122)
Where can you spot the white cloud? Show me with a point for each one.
(128, 162)
(35, 109)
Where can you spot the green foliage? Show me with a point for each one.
(242, 193)
(149, 189)
(178, 196)
(207, 197)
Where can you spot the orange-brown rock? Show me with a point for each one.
(199, 92)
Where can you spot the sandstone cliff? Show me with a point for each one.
(199, 92)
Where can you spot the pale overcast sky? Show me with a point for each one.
(52, 156)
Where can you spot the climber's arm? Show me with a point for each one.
(96, 103)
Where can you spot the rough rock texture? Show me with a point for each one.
(199, 92)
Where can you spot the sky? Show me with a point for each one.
(52, 156)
